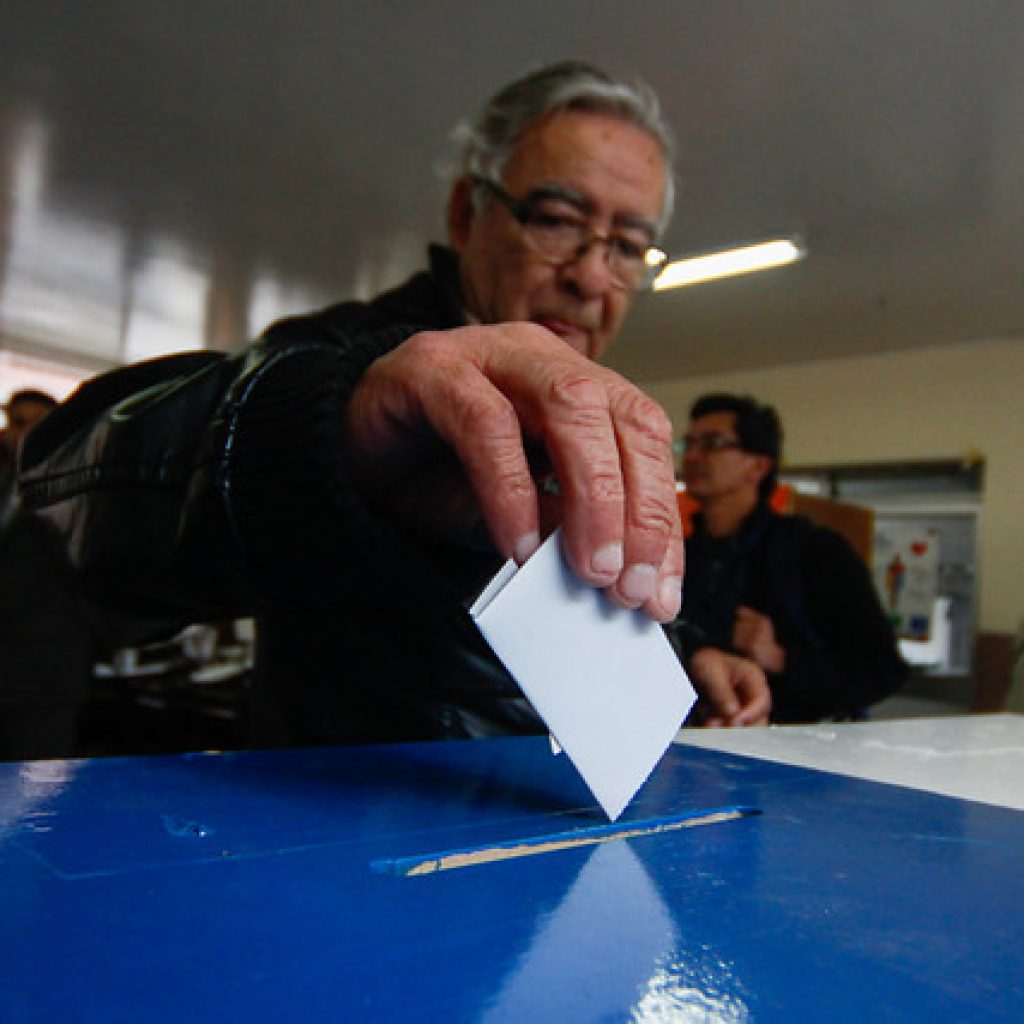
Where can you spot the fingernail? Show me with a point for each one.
(670, 594)
(607, 561)
(525, 546)
(637, 583)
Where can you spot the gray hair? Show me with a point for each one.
(486, 144)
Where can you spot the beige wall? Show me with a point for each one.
(930, 403)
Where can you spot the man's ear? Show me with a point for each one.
(763, 466)
(461, 213)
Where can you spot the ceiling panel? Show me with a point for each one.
(173, 174)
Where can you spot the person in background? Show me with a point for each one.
(45, 646)
(791, 595)
(357, 475)
(24, 409)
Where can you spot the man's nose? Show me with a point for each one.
(589, 273)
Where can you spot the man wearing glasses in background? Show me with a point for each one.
(790, 595)
(358, 474)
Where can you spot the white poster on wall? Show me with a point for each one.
(906, 571)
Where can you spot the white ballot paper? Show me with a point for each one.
(605, 680)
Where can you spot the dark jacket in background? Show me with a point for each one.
(841, 653)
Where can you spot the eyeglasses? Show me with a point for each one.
(708, 444)
(555, 232)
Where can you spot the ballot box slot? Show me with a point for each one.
(418, 865)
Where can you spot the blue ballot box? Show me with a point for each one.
(478, 881)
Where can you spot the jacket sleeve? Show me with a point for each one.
(686, 639)
(848, 659)
(204, 486)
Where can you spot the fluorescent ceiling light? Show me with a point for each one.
(696, 269)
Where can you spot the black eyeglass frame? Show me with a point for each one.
(653, 258)
(708, 444)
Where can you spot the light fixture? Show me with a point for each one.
(762, 256)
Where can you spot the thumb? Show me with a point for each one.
(712, 673)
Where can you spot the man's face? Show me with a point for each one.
(618, 172)
(21, 417)
(712, 473)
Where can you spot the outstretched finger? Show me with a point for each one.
(653, 550)
(580, 440)
(481, 425)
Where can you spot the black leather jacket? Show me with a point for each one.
(205, 486)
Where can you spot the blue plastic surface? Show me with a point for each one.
(241, 887)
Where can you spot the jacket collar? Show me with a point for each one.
(748, 535)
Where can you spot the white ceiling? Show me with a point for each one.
(170, 171)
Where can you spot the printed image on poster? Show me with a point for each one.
(906, 571)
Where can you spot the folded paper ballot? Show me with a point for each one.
(606, 681)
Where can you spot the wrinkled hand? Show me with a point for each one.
(754, 635)
(442, 425)
(733, 689)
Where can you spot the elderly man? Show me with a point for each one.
(791, 595)
(358, 474)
